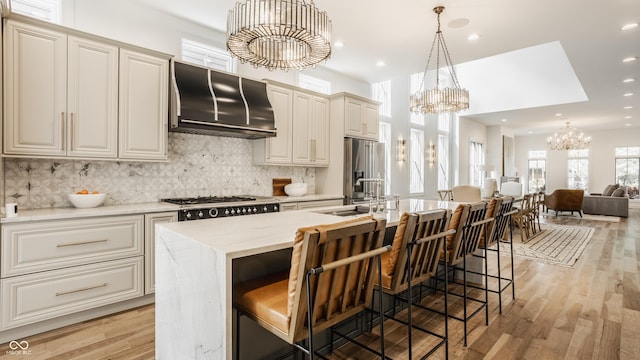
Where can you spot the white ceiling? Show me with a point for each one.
(582, 42)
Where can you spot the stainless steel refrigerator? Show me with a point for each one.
(363, 159)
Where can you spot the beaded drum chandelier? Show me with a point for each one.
(279, 34)
(439, 100)
(569, 139)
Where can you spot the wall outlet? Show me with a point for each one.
(74, 181)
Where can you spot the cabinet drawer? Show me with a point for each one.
(319, 203)
(33, 247)
(288, 206)
(36, 297)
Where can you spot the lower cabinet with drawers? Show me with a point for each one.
(50, 269)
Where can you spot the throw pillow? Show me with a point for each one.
(619, 192)
(609, 190)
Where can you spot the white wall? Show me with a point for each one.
(137, 24)
(601, 157)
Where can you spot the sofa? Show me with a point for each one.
(564, 200)
(613, 201)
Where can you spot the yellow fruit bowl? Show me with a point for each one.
(84, 201)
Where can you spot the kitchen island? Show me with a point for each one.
(195, 273)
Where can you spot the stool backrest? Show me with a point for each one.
(424, 255)
(467, 237)
(497, 228)
(339, 293)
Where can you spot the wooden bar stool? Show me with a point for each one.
(331, 279)
(501, 209)
(416, 250)
(470, 222)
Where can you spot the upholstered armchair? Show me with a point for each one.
(466, 193)
(564, 200)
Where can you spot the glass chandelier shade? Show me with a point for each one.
(279, 34)
(568, 139)
(440, 99)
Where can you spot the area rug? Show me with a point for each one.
(555, 244)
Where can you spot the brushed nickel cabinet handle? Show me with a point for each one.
(62, 130)
(71, 132)
(81, 243)
(81, 289)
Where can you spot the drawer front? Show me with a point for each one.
(33, 247)
(319, 204)
(288, 206)
(36, 297)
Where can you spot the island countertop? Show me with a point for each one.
(194, 263)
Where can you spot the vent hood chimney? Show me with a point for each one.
(210, 102)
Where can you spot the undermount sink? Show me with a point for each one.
(349, 211)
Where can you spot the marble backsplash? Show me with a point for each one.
(198, 166)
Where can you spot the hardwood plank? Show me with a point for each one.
(590, 311)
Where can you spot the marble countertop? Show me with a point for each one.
(71, 212)
(140, 208)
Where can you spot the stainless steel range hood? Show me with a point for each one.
(210, 102)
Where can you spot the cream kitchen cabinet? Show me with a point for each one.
(69, 94)
(150, 221)
(55, 268)
(360, 115)
(302, 123)
(306, 205)
(143, 112)
(61, 94)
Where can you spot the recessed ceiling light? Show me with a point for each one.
(629, 26)
(558, 114)
(627, 124)
(630, 59)
(504, 120)
(628, 94)
(473, 37)
(628, 80)
(530, 132)
(628, 117)
(628, 107)
(338, 44)
(380, 63)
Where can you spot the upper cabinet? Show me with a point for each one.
(144, 117)
(302, 123)
(68, 95)
(360, 115)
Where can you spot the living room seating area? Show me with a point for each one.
(613, 201)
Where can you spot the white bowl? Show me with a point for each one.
(84, 201)
(296, 189)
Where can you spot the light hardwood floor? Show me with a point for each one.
(590, 311)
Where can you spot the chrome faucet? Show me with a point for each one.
(378, 181)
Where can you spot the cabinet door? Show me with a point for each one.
(150, 221)
(144, 112)
(302, 107)
(279, 150)
(319, 131)
(35, 87)
(353, 117)
(92, 99)
(371, 121)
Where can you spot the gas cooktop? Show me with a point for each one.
(208, 200)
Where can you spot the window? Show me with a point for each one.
(385, 138)
(476, 160)
(628, 166)
(314, 84)
(47, 10)
(206, 55)
(444, 123)
(382, 92)
(537, 171)
(578, 169)
(416, 163)
(414, 85)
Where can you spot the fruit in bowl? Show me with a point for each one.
(84, 199)
(296, 189)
